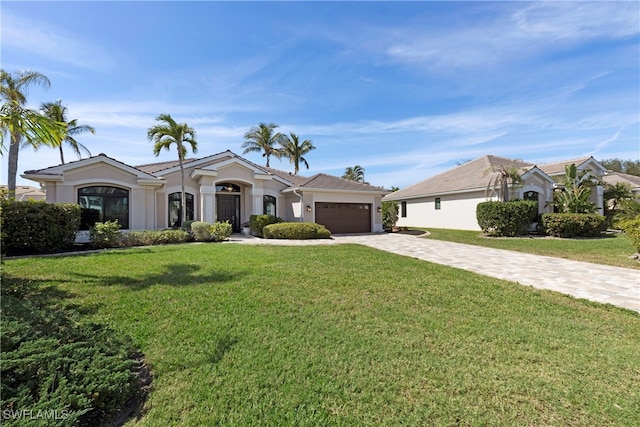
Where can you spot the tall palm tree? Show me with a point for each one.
(262, 139)
(168, 133)
(294, 150)
(355, 173)
(19, 121)
(58, 112)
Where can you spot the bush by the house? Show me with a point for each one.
(631, 228)
(506, 218)
(37, 226)
(186, 226)
(221, 231)
(206, 232)
(390, 212)
(105, 234)
(153, 237)
(200, 230)
(259, 222)
(569, 225)
(53, 360)
(296, 231)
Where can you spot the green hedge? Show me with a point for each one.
(38, 226)
(632, 229)
(153, 237)
(573, 225)
(105, 234)
(296, 231)
(259, 222)
(506, 218)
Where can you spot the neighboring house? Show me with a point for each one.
(449, 200)
(220, 187)
(612, 178)
(26, 192)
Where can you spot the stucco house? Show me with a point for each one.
(220, 187)
(26, 192)
(612, 178)
(449, 200)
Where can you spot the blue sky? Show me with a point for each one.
(404, 89)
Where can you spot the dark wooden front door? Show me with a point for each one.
(228, 209)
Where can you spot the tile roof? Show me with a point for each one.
(615, 177)
(287, 176)
(476, 174)
(330, 182)
(557, 168)
(157, 167)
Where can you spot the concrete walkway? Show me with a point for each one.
(595, 282)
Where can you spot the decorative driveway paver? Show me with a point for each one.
(601, 283)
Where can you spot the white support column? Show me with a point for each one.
(256, 195)
(208, 203)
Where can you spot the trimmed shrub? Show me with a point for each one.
(37, 226)
(201, 231)
(153, 237)
(573, 225)
(186, 226)
(259, 222)
(506, 218)
(390, 212)
(296, 231)
(220, 231)
(632, 229)
(205, 232)
(105, 234)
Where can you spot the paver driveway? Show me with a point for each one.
(595, 282)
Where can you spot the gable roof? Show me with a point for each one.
(558, 168)
(322, 181)
(614, 177)
(56, 173)
(470, 176)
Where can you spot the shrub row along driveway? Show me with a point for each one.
(601, 283)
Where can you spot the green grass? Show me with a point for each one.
(347, 335)
(611, 250)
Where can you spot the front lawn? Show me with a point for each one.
(610, 250)
(348, 335)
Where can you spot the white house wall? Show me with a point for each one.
(457, 212)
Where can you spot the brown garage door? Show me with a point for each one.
(342, 218)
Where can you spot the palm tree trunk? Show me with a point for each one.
(61, 154)
(12, 169)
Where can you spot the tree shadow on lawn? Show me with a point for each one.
(177, 274)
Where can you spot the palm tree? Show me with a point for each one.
(504, 175)
(168, 133)
(21, 122)
(293, 149)
(262, 139)
(355, 173)
(58, 112)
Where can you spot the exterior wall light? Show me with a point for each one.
(379, 209)
(308, 208)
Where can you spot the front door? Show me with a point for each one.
(228, 209)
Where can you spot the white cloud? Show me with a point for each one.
(41, 39)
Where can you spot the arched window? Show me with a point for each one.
(226, 187)
(175, 208)
(103, 203)
(269, 205)
(531, 195)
